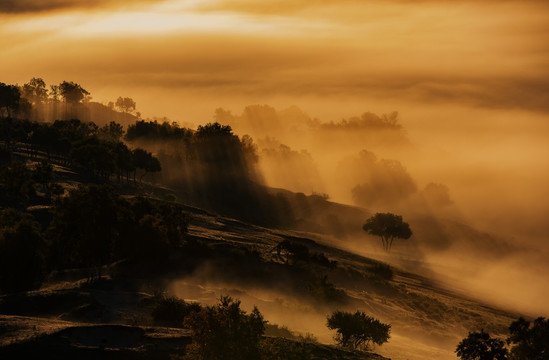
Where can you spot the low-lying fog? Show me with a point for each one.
(471, 182)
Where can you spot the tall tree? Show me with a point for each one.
(388, 227)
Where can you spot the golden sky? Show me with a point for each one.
(489, 53)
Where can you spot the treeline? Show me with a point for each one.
(98, 152)
(37, 101)
(91, 227)
(213, 168)
(210, 167)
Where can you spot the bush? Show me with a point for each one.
(172, 312)
(225, 332)
(324, 291)
(382, 272)
(283, 349)
(358, 330)
(22, 252)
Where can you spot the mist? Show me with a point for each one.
(470, 190)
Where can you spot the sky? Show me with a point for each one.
(470, 79)
(386, 55)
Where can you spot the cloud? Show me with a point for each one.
(245, 65)
(288, 7)
(33, 6)
(475, 55)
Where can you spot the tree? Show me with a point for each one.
(86, 227)
(480, 346)
(358, 330)
(125, 104)
(43, 174)
(530, 342)
(388, 227)
(22, 251)
(35, 91)
(171, 311)
(379, 182)
(225, 332)
(96, 157)
(72, 92)
(111, 132)
(16, 184)
(54, 93)
(10, 97)
(144, 160)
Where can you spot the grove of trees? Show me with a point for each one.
(91, 227)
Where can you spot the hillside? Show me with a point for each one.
(101, 227)
(237, 259)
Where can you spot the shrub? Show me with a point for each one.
(358, 330)
(171, 311)
(324, 291)
(283, 349)
(225, 332)
(22, 252)
(382, 272)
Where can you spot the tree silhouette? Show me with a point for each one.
(72, 92)
(530, 342)
(22, 251)
(43, 174)
(111, 132)
(388, 227)
(86, 226)
(126, 104)
(358, 330)
(55, 93)
(225, 332)
(16, 185)
(144, 160)
(35, 91)
(382, 182)
(10, 97)
(480, 346)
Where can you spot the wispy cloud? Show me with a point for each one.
(32, 6)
